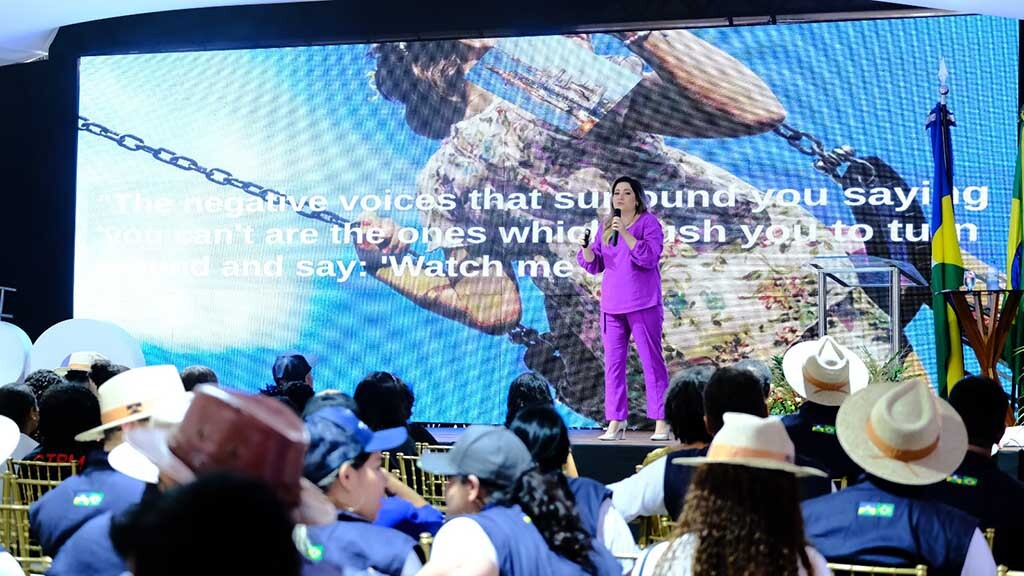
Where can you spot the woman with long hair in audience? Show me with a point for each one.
(545, 435)
(507, 518)
(742, 512)
(531, 389)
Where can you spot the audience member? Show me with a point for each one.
(41, 380)
(824, 374)
(527, 389)
(978, 486)
(221, 432)
(19, 404)
(760, 370)
(506, 517)
(77, 368)
(344, 461)
(103, 370)
(126, 401)
(403, 509)
(65, 411)
(386, 402)
(742, 512)
(660, 487)
(223, 523)
(543, 432)
(904, 438)
(292, 367)
(684, 410)
(195, 375)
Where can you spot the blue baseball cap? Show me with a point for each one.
(336, 436)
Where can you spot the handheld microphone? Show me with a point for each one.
(586, 237)
(615, 235)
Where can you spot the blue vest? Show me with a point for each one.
(400, 515)
(878, 522)
(522, 550)
(813, 432)
(677, 480)
(981, 489)
(589, 495)
(89, 552)
(80, 498)
(352, 542)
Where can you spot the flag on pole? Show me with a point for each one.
(947, 262)
(1013, 358)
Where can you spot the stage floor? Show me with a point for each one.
(603, 461)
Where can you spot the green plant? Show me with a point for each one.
(781, 400)
(892, 369)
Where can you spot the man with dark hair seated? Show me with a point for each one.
(196, 375)
(824, 374)
(41, 380)
(978, 486)
(65, 411)
(684, 410)
(904, 438)
(660, 487)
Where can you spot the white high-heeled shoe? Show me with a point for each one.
(659, 437)
(619, 434)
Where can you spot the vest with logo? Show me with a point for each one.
(354, 543)
(89, 551)
(521, 549)
(981, 489)
(813, 432)
(80, 498)
(878, 522)
(590, 496)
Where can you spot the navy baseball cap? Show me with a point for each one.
(336, 436)
(292, 366)
(488, 452)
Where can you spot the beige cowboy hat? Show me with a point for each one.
(747, 440)
(824, 372)
(81, 361)
(133, 395)
(127, 460)
(902, 433)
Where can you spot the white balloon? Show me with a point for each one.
(79, 334)
(14, 353)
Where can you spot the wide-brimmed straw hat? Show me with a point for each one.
(902, 433)
(747, 440)
(127, 460)
(134, 395)
(824, 372)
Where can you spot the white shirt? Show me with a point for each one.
(614, 533)
(9, 566)
(462, 547)
(643, 493)
(682, 564)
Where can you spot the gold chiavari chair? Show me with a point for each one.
(426, 543)
(1004, 571)
(653, 529)
(33, 479)
(14, 535)
(429, 486)
(853, 569)
(990, 537)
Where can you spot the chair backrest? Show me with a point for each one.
(426, 543)
(840, 483)
(1005, 571)
(990, 537)
(33, 479)
(14, 535)
(430, 486)
(852, 569)
(422, 447)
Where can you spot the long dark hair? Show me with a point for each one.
(684, 403)
(527, 389)
(543, 499)
(428, 78)
(544, 434)
(641, 203)
(384, 401)
(746, 521)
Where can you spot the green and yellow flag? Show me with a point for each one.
(947, 262)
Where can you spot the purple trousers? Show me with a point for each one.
(645, 327)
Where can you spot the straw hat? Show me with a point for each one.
(133, 395)
(823, 372)
(902, 433)
(747, 440)
(127, 460)
(81, 361)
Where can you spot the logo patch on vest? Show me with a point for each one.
(314, 553)
(824, 429)
(87, 499)
(962, 480)
(876, 509)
